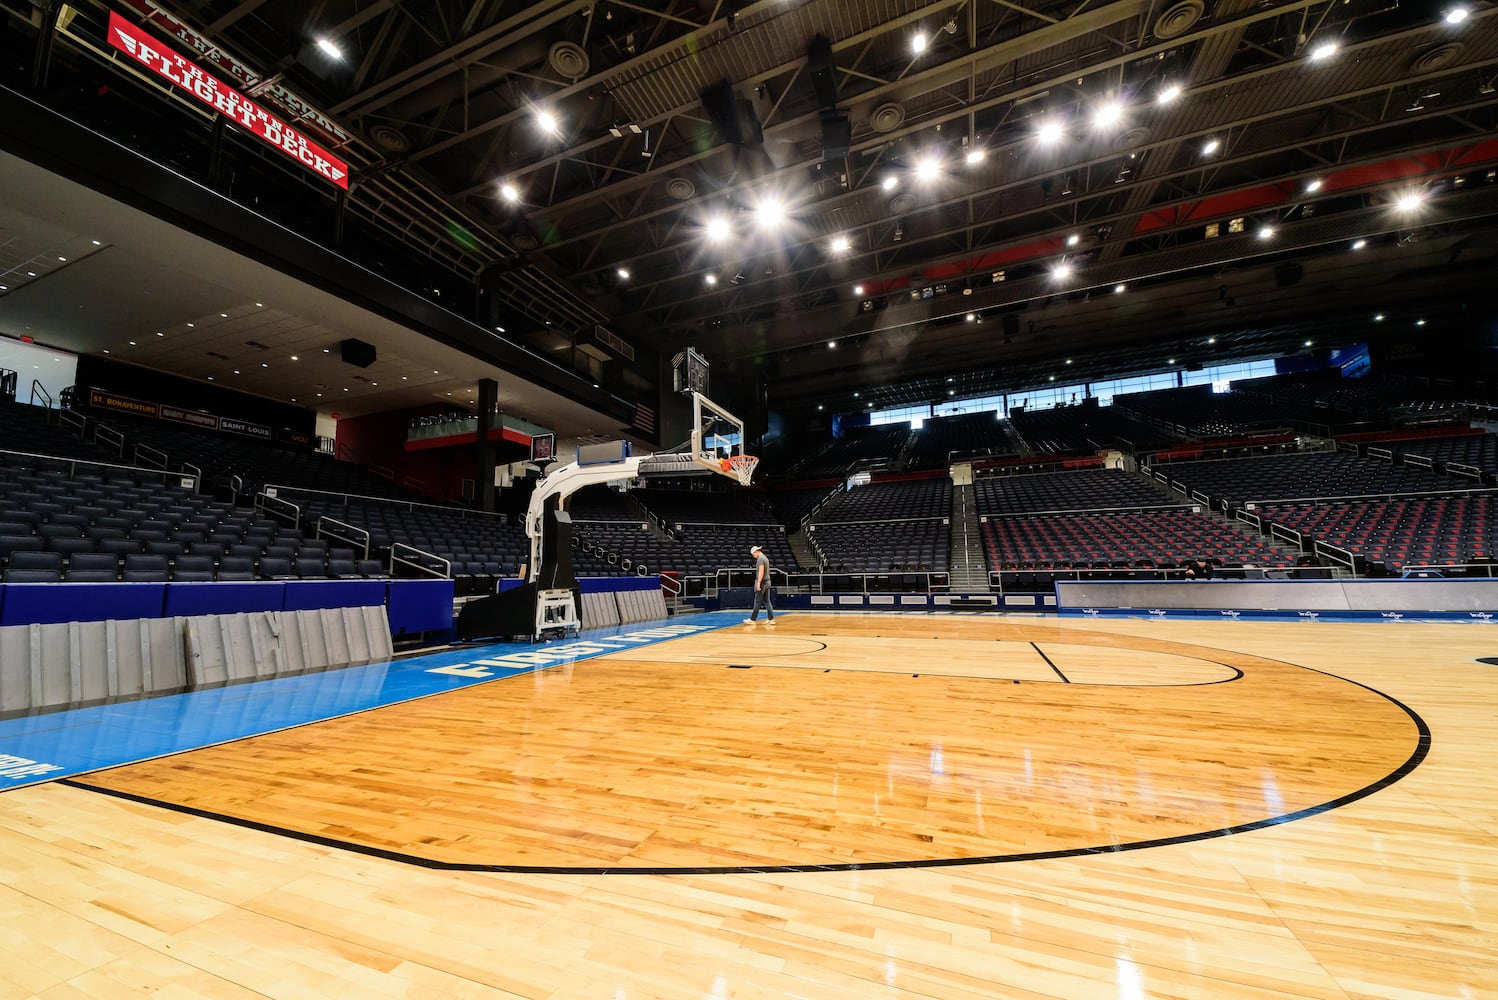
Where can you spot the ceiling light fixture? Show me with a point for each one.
(623, 273)
(975, 155)
(840, 244)
(1324, 51)
(918, 42)
(548, 122)
(711, 279)
(1107, 115)
(1211, 146)
(1049, 133)
(1265, 232)
(1313, 185)
(857, 289)
(1119, 289)
(717, 229)
(329, 48)
(1359, 244)
(1409, 202)
(928, 168)
(769, 213)
(1457, 14)
(1061, 271)
(889, 182)
(509, 192)
(1168, 93)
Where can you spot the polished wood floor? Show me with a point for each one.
(838, 806)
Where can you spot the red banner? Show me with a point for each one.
(162, 61)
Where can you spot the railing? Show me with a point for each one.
(1382, 454)
(1335, 553)
(278, 508)
(1288, 534)
(357, 536)
(1249, 517)
(77, 421)
(1281, 501)
(153, 455)
(110, 438)
(8, 383)
(397, 559)
(1488, 570)
(192, 470)
(382, 472)
(236, 486)
(37, 389)
(1465, 471)
(344, 498)
(73, 464)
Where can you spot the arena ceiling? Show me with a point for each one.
(877, 194)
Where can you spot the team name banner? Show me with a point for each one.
(121, 404)
(234, 426)
(197, 418)
(165, 63)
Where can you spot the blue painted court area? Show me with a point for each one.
(61, 744)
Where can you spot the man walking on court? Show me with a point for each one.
(762, 595)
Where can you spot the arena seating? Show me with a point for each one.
(1197, 411)
(880, 527)
(1480, 451)
(793, 504)
(1398, 533)
(95, 523)
(1302, 475)
(223, 456)
(1068, 430)
(943, 440)
(1088, 489)
(874, 446)
(1122, 540)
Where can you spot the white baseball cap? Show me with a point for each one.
(753, 548)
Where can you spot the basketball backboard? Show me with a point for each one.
(717, 438)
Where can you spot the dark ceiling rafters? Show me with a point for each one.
(458, 91)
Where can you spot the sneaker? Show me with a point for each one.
(770, 622)
(748, 621)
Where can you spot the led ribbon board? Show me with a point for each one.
(165, 63)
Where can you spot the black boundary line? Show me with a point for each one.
(1059, 674)
(1416, 757)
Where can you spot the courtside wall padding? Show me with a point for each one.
(599, 610)
(69, 663)
(1289, 596)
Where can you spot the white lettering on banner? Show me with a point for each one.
(564, 653)
(22, 767)
(222, 98)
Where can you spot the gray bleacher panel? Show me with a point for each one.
(599, 611)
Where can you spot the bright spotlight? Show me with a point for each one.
(1457, 14)
(1313, 185)
(1211, 146)
(889, 182)
(623, 273)
(1107, 115)
(711, 279)
(1324, 51)
(1048, 132)
(1120, 289)
(1168, 94)
(1265, 232)
(1073, 240)
(928, 168)
(548, 122)
(975, 155)
(840, 244)
(857, 289)
(509, 193)
(1409, 202)
(330, 48)
(769, 213)
(717, 229)
(1061, 271)
(918, 42)
(1359, 244)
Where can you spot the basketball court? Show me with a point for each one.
(841, 805)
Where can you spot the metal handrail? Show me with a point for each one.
(354, 529)
(408, 504)
(264, 501)
(192, 470)
(420, 567)
(111, 438)
(37, 389)
(74, 463)
(154, 454)
(77, 420)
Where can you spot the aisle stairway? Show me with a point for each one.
(806, 556)
(967, 565)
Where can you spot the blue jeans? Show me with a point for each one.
(763, 599)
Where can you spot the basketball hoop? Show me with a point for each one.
(742, 466)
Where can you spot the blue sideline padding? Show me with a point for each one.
(311, 595)
(52, 603)
(188, 600)
(420, 606)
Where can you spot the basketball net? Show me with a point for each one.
(742, 466)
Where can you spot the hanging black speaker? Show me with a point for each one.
(357, 353)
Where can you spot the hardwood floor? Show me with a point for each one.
(1066, 836)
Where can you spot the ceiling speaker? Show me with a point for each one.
(356, 353)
